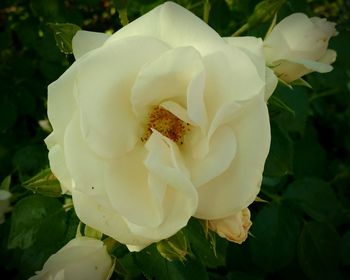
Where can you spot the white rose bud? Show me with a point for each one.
(158, 123)
(298, 45)
(82, 258)
(234, 228)
(4, 204)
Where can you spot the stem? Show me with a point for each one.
(274, 197)
(68, 206)
(324, 94)
(110, 244)
(206, 11)
(123, 16)
(242, 29)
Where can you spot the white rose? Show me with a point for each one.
(159, 122)
(298, 45)
(82, 258)
(234, 228)
(4, 204)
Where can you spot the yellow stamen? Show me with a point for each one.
(167, 124)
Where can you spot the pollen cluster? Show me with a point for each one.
(167, 124)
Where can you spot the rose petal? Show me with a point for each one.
(230, 76)
(329, 57)
(221, 153)
(253, 47)
(176, 67)
(131, 195)
(313, 65)
(180, 200)
(82, 256)
(161, 188)
(175, 25)
(85, 41)
(238, 186)
(59, 168)
(104, 219)
(108, 123)
(61, 95)
(271, 83)
(87, 169)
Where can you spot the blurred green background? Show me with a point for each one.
(304, 230)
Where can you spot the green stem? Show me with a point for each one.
(274, 197)
(206, 11)
(242, 29)
(123, 16)
(110, 244)
(68, 206)
(324, 94)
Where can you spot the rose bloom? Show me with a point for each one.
(298, 45)
(159, 122)
(82, 258)
(234, 228)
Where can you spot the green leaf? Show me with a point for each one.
(5, 184)
(64, 33)
(276, 229)
(297, 101)
(34, 218)
(29, 159)
(309, 156)
(210, 252)
(264, 11)
(235, 275)
(44, 183)
(72, 225)
(238, 257)
(280, 159)
(301, 82)
(174, 248)
(316, 198)
(345, 248)
(8, 112)
(48, 9)
(318, 251)
(154, 266)
(276, 102)
(127, 267)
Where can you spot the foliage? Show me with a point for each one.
(304, 230)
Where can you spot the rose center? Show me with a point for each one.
(167, 124)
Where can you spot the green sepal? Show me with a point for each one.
(174, 248)
(64, 33)
(44, 183)
(5, 184)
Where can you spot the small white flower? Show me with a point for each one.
(234, 228)
(298, 45)
(81, 258)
